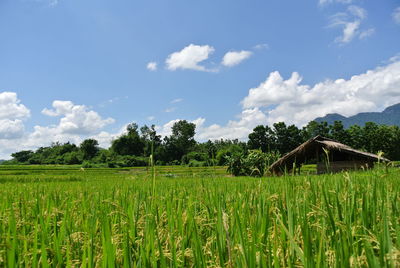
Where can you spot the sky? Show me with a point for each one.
(72, 69)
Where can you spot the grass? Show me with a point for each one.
(57, 216)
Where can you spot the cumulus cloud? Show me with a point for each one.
(396, 15)
(76, 123)
(152, 66)
(234, 129)
(166, 129)
(189, 58)
(233, 58)
(11, 129)
(11, 108)
(292, 102)
(288, 100)
(77, 119)
(350, 22)
(12, 112)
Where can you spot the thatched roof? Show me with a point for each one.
(308, 150)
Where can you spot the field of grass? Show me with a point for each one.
(63, 216)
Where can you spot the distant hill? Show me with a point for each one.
(390, 116)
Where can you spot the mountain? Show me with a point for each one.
(389, 116)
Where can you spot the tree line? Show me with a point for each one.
(134, 147)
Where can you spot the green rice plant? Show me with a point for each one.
(121, 218)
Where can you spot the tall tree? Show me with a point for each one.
(89, 148)
(129, 143)
(181, 141)
(314, 128)
(337, 132)
(22, 156)
(262, 138)
(150, 139)
(287, 138)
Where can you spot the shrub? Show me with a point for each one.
(255, 163)
(197, 156)
(231, 151)
(87, 164)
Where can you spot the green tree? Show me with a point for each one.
(356, 137)
(180, 142)
(287, 138)
(314, 128)
(22, 156)
(130, 143)
(150, 139)
(337, 132)
(89, 148)
(261, 138)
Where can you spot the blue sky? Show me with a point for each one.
(73, 69)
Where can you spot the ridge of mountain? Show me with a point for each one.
(389, 116)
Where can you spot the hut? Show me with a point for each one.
(328, 154)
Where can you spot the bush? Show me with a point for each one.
(197, 156)
(87, 164)
(255, 163)
(231, 151)
(195, 163)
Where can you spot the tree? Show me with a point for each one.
(89, 148)
(314, 128)
(261, 138)
(180, 142)
(129, 143)
(150, 139)
(287, 138)
(337, 132)
(356, 137)
(22, 156)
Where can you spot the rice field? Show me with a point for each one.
(197, 217)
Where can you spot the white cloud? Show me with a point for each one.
(350, 22)
(77, 119)
(234, 129)
(324, 2)
(176, 100)
(105, 138)
(358, 12)
(170, 110)
(152, 66)
(277, 99)
(12, 112)
(396, 15)
(11, 108)
(166, 129)
(349, 31)
(189, 58)
(151, 118)
(290, 101)
(11, 129)
(366, 33)
(261, 46)
(77, 122)
(233, 58)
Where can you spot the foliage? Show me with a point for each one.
(89, 148)
(129, 143)
(181, 148)
(255, 163)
